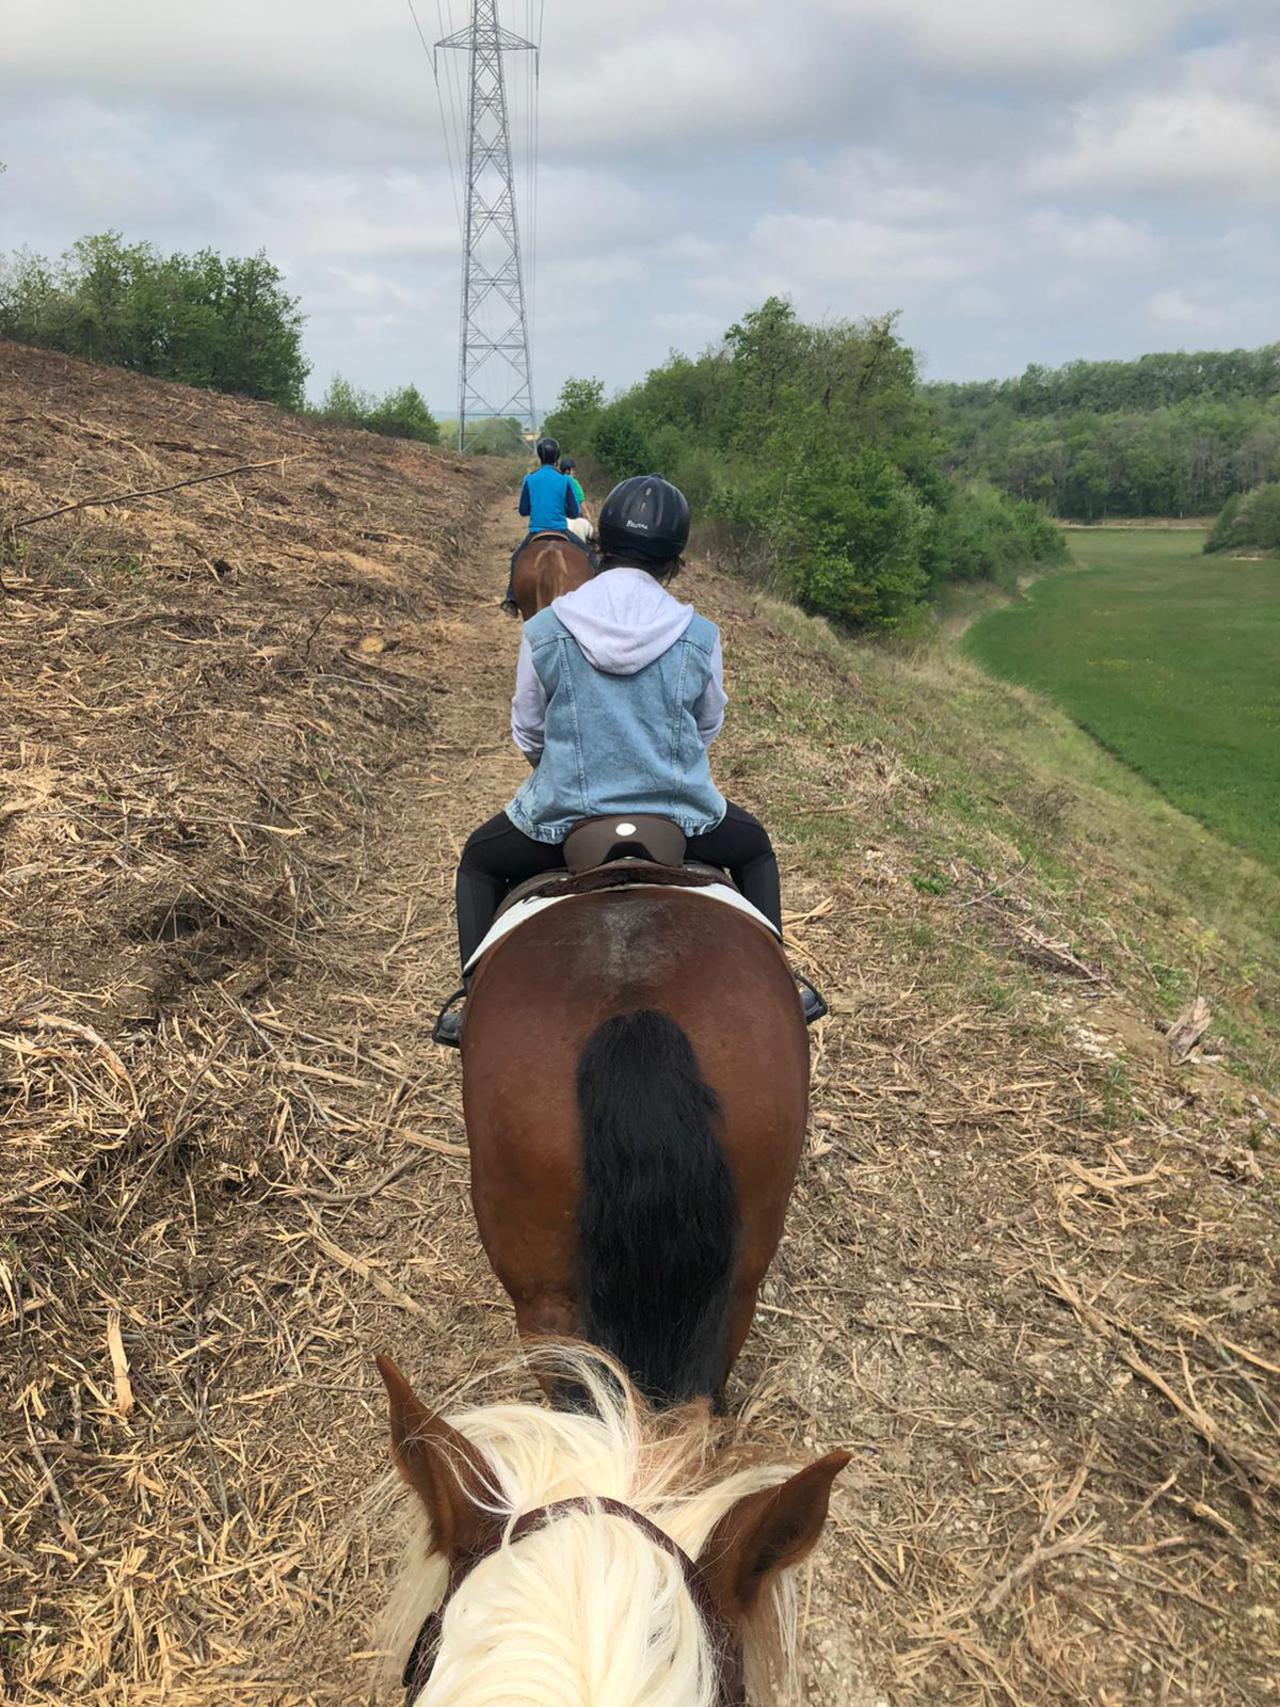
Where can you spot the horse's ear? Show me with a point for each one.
(450, 1476)
(765, 1533)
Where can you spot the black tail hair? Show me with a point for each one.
(658, 1220)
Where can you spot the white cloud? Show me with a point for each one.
(988, 37)
(828, 251)
(1102, 239)
(1213, 128)
(1174, 307)
(869, 183)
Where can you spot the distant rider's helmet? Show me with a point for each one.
(567, 465)
(548, 451)
(645, 517)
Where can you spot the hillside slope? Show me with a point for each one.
(1030, 1273)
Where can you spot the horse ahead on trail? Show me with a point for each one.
(601, 1555)
(546, 565)
(553, 558)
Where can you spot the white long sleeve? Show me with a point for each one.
(528, 706)
(709, 711)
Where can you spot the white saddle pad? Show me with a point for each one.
(723, 893)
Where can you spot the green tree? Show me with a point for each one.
(202, 319)
(403, 414)
(497, 436)
(573, 420)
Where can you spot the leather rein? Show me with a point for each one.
(726, 1643)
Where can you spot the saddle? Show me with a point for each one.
(612, 853)
(560, 539)
(615, 853)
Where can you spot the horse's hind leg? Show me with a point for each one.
(550, 1315)
(742, 1311)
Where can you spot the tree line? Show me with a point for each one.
(814, 455)
(225, 323)
(1169, 435)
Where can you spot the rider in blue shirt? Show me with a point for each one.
(547, 496)
(548, 499)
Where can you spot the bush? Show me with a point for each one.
(497, 436)
(618, 442)
(1250, 521)
(400, 414)
(984, 535)
(225, 323)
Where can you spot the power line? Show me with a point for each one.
(444, 117)
(494, 367)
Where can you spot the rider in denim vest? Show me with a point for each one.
(619, 695)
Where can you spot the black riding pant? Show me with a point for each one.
(498, 856)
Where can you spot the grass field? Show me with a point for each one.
(1170, 659)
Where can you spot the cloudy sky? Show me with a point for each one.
(1024, 181)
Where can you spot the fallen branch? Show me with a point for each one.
(149, 491)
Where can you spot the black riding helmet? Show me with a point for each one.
(645, 516)
(566, 463)
(548, 451)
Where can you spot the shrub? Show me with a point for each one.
(1250, 521)
(225, 323)
(401, 414)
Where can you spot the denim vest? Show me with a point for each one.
(617, 744)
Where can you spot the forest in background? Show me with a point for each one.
(812, 454)
(1165, 435)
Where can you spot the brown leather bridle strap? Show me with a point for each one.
(727, 1644)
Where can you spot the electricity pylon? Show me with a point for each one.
(494, 376)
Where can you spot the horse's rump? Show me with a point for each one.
(559, 996)
(545, 565)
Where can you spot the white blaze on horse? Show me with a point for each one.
(597, 1557)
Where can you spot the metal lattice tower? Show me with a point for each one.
(494, 373)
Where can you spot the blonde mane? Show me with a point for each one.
(586, 1611)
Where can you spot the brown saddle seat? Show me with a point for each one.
(612, 853)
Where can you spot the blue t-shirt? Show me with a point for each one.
(547, 498)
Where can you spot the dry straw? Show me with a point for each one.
(1029, 1275)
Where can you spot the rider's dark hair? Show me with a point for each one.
(664, 572)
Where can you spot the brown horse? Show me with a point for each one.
(635, 1081)
(546, 565)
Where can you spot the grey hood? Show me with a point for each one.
(622, 619)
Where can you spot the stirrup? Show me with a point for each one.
(811, 1001)
(447, 1031)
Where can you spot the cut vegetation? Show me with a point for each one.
(1030, 1274)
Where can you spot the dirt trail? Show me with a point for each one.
(1029, 1275)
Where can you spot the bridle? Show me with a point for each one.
(725, 1641)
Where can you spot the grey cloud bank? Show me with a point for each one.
(1023, 182)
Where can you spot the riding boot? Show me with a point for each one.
(447, 1031)
(509, 604)
(810, 1000)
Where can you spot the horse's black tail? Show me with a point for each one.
(658, 1222)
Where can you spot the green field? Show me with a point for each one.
(1170, 659)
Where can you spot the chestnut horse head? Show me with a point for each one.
(635, 1082)
(546, 565)
(600, 1556)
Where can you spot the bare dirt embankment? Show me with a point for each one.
(1029, 1275)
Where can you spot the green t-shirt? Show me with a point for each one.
(577, 490)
